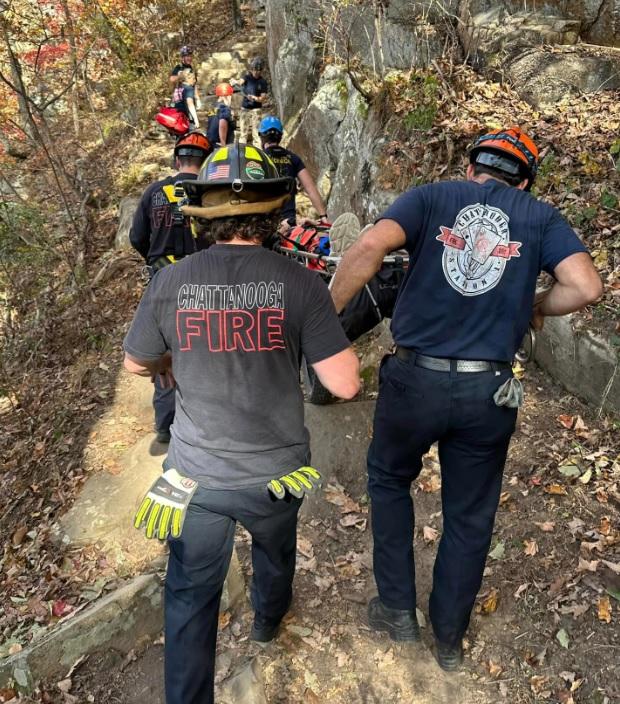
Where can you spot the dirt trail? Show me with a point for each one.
(325, 652)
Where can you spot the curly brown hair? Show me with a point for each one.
(245, 227)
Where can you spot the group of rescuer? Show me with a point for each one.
(222, 327)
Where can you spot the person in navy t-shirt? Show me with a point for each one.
(289, 164)
(476, 249)
(255, 93)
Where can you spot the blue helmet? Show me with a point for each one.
(271, 126)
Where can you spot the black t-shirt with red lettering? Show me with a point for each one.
(237, 319)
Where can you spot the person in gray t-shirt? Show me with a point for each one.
(230, 325)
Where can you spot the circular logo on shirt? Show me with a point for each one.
(476, 249)
(254, 170)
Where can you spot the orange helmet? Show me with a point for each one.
(193, 144)
(492, 149)
(222, 89)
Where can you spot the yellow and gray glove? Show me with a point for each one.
(163, 509)
(304, 480)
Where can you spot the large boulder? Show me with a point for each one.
(543, 75)
(314, 137)
(291, 51)
(597, 21)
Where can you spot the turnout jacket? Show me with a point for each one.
(158, 227)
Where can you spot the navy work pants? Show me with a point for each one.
(415, 408)
(197, 567)
(163, 403)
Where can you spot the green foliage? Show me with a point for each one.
(19, 219)
(423, 93)
(609, 200)
(343, 92)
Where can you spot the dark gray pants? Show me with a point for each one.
(197, 567)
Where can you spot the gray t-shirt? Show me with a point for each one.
(237, 319)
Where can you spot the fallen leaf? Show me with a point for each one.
(575, 526)
(351, 520)
(498, 551)
(576, 610)
(18, 536)
(586, 476)
(430, 534)
(495, 669)
(538, 683)
(7, 695)
(570, 470)
(430, 484)
(566, 420)
(605, 526)
(587, 566)
(521, 589)
(555, 489)
(305, 547)
(530, 547)
(546, 527)
(489, 605)
(223, 620)
(562, 638)
(335, 494)
(61, 608)
(604, 609)
(504, 496)
(579, 424)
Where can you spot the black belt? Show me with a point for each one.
(439, 364)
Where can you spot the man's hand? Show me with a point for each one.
(305, 480)
(163, 509)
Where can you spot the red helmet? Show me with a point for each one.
(222, 89)
(193, 144)
(492, 149)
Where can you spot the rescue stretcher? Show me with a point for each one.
(369, 307)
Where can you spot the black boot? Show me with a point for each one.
(449, 657)
(264, 629)
(401, 624)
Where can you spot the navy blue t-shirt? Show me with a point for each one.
(222, 112)
(476, 251)
(180, 96)
(253, 86)
(288, 164)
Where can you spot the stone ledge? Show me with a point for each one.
(583, 362)
(125, 619)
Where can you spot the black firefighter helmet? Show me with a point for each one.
(237, 179)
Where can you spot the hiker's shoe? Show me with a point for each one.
(163, 436)
(449, 657)
(401, 624)
(264, 629)
(344, 232)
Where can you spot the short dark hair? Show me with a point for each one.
(496, 173)
(193, 161)
(245, 227)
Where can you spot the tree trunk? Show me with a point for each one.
(27, 121)
(74, 67)
(236, 13)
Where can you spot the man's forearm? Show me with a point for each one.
(357, 267)
(561, 300)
